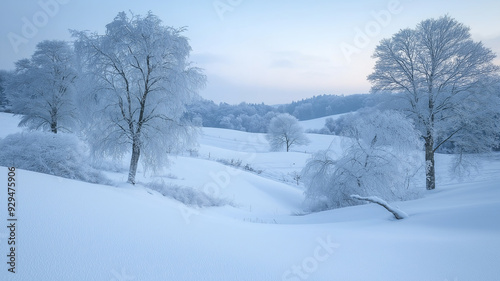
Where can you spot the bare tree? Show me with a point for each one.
(445, 79)
(143, 80)
(284, 131)
(42, 88)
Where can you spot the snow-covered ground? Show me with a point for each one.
(319, 123)
(70, 230)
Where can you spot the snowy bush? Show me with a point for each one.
(233, 162)
(380, 159)
(238, 164)
(61, 155)
(186, 195)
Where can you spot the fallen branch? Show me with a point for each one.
(398, 214)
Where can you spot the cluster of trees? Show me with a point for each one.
(325, 105)
(124, 91)
(445, 91)
(255, 118)
(243, 117)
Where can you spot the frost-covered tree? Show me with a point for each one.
(42, 87)
(379, 158)
(3, 98)
(284, 131)
(143, 79)
(446, 81)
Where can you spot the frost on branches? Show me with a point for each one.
(62, 155)
(380, 158)
(141, 80)
(284, 132)
(42, 88)
(448, 85)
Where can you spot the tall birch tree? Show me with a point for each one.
(141, 81)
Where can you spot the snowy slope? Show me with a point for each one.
(69, 230)
(319, 123)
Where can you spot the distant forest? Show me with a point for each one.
(256, 117)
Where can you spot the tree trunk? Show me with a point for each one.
(136, 153)
(53, 127)
(430, 172)
(53, 120)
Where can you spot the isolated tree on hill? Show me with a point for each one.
(42, 88)
(447, 81)
(379, 158)
(143, 81)
(284, 131)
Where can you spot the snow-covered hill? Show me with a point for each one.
(69, 230)
(318, 123)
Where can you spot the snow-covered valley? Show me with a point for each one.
(71, 230)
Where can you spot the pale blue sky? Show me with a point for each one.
(257, 51)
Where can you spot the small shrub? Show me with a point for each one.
(186, 195)
(233, 162)
(193, 152)
(249, 168)
(61, 155)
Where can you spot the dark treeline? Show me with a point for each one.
(325, 105)
(255, 117)
(3, 99)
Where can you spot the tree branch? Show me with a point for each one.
(398, 214)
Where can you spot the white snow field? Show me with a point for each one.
(319, 123)
(69, 230)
